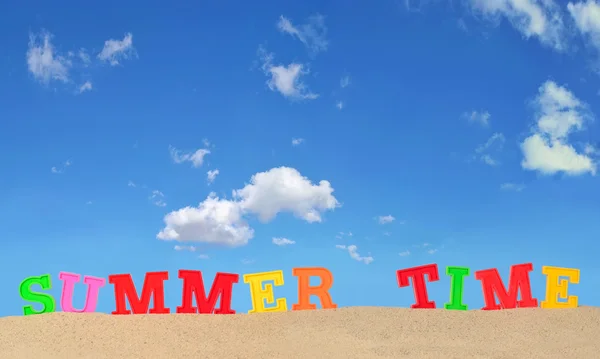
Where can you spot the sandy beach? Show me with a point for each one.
(358, 332)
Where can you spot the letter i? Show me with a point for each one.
(457, 275)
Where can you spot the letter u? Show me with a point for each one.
(91, 300)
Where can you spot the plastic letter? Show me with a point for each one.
(458, 275)
(91, 300)
(194, 284)
(418, 279)
(305, 290)
(519, 279)
(260, 294)
(153, 286)
(557, 288)
(45, 299)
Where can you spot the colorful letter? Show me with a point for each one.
(193, 284)
(305, 290)
(259, 295)
(519, 279)
(69, 280)
(45, 299)
(458, 275)
(557, 288)
(418, 279)
(153, 286)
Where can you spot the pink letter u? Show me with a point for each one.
(94, 285)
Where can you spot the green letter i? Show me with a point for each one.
(457, 275)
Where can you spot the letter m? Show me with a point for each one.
(193, 286)
(519, 280)
(153, 287)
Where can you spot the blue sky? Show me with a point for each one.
(375, 137)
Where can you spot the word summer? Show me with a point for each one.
(263, 298)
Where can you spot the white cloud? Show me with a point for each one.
(215, 220)
(586, 16)
(203, 256)
(462, 25)
(345, 81)
(212, 175)
(589, 149)
(549, 157)
(157, 198)
(547, 150)
(312, 34)
(284, 189)
(353, 251)
(488, 160)
(221, 221)
(283, 241)
(517, 187)
(424, 245)
(493, 145)
(43, 62)
(47, 64)
(117, 50)
(480, 117)
(428, 247)
(339, 105)
(297, 141)
(86, 86)
(61, 169)
(131, 184)
(541, 19)
(286, 79)
(196, 157)
(248, 261)
(404, 254)
(386, 219)
(497, 139)
(88, 202)
(84, 57)
(185, 248)
(340, 235)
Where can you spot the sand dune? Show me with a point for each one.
(360, 332)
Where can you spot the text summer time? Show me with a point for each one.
(495, 293)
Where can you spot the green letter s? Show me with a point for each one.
(45, 299)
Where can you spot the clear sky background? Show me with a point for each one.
(241, 137)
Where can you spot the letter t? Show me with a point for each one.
(418, 280)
